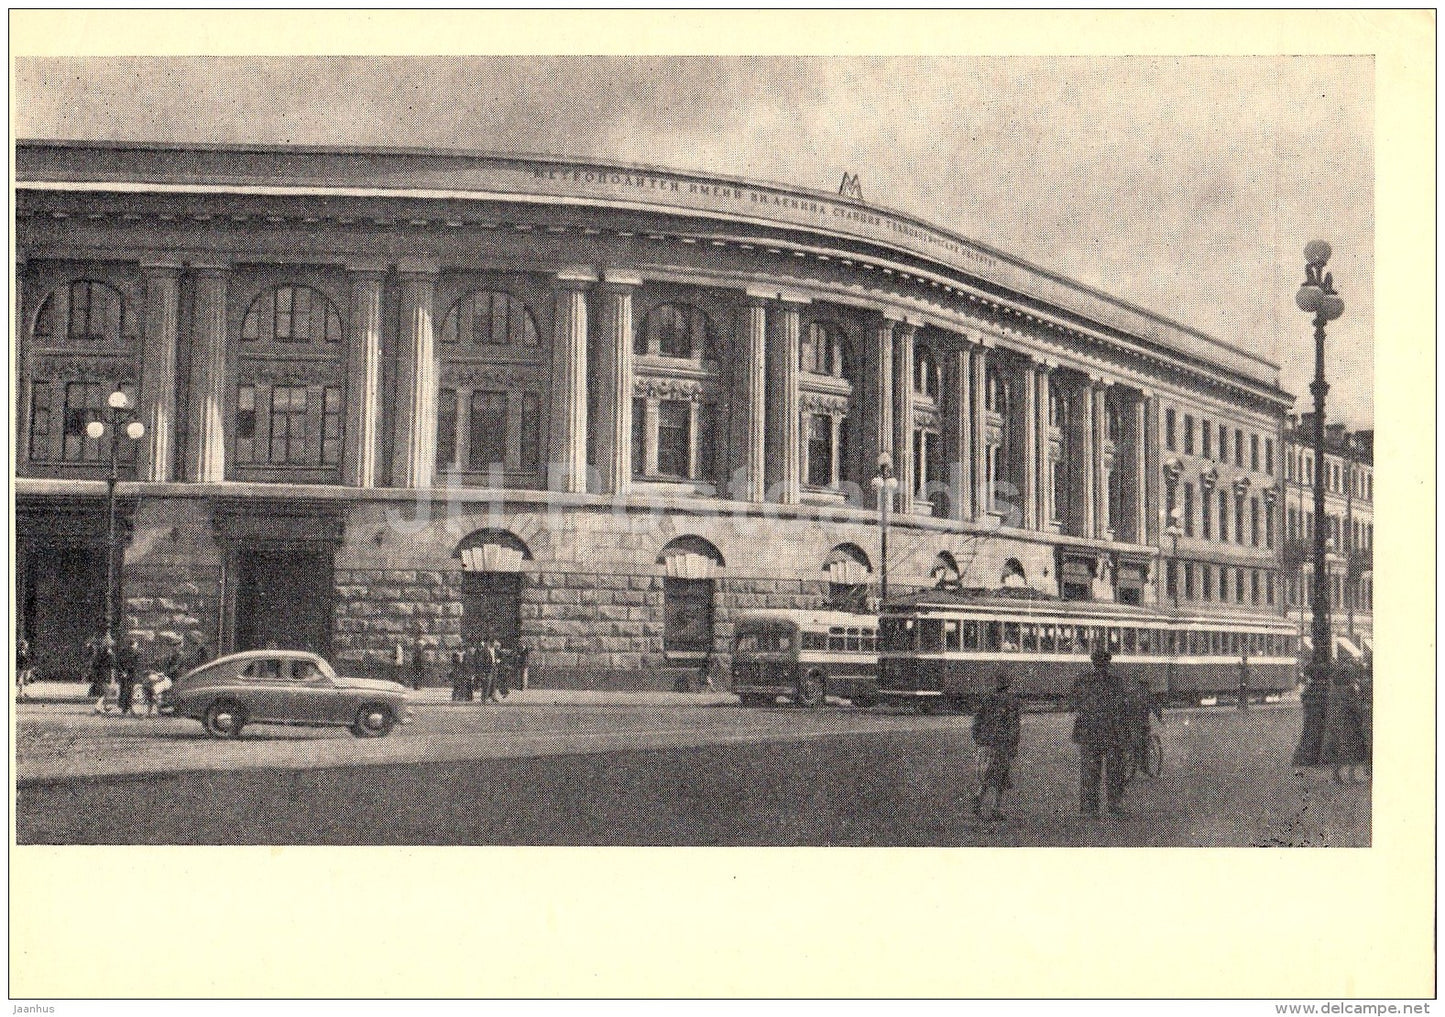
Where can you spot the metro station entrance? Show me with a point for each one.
(283, 597)
(491, 607)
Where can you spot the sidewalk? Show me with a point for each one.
(41, 693)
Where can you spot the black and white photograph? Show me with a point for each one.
(662, 451)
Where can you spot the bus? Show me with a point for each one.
(947, 647)
(806, 656)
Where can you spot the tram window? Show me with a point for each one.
(1196, 643)
(1236, 644)
(867, 641)
(930, 635)
(970, 635)
(992, 635)
(1030, 639)
(1147, 641)
(1081, 639)
(852, 640)
(836, 640)
(1011, 636)
(1113, 639)
(1259, 650)
(1131, 641)
(1048, 638)
(951, 636)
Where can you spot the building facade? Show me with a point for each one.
(1349, 479)
(417, 398)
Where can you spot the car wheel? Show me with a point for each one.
(810, 690)
(224, 719)
(374, 720)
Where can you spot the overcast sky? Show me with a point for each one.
(1186, 185)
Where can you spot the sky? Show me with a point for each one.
(1188, 186)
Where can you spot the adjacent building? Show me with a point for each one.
(1349, 481)
(419, 398)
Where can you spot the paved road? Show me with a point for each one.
(662, 772)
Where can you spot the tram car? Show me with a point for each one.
(948, 647)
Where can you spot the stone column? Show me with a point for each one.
(1101, 435)
(414, 446)
(207, 459)
(1045, 499)
(614, 373)
(1088, 461)
(878, 395)
(979, 433)
(363, 377)
(1153, 466)
(1032, 439)
(1139, 505)
(568, 442)
(754, 429)
(958, 429)
(903, 334)
(158, 368)
(784, 452)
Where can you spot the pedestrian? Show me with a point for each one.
(495, 679)
(102, 669)
(418, 666)
(1101, 732)
(1244, 682)
(398, 661)
(1347, 743)
(1143, 709)
(704, 671)
(523, 658)
(506, 662)
(24, 669)
(996, 731)
(461, 678)
(127, 662)
(200, 652)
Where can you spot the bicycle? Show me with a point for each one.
(1151, 755)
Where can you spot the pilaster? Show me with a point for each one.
(414, 446)
(158, 368)
(207, 446)
(363, 375)
(568, 433)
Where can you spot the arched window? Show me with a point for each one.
(848, 571)
(92, 312)
(823, 349)
(690, 563)
(291, 314)
(675, 330)
(489, 318)
(925, 373)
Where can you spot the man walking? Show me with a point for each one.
(1101, 732)
(996, 730)
(127, 663)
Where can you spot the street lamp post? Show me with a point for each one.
(884, 484)
(121, 414)
(1174, 531)
(1317, 296)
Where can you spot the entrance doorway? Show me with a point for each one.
(62, 606)
(491, 607)
(283, 596)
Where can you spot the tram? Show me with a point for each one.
(806, 656)
(949, 646)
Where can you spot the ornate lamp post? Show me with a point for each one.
(120, 415)
(1317, 296)
(1174, 531)
(885, 484)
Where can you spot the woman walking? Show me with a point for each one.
(102, 669)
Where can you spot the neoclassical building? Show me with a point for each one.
(416, 398)
(1349, 482)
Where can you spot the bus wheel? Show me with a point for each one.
(810, 690)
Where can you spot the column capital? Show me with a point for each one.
(211, 269)
(575, 277)
(368, 267)
(617, 279)
(424, 267)
(161, 267)
(793, 300)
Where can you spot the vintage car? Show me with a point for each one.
(286, 687)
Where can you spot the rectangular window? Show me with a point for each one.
(1254, 452)
(1171, 579)
(1269, 456)
(40, 420)
(1169, 430)
(687, 615)
(1239, 519)
(446, 429)
(1223, 515)
(706, 441)
(530, 453)
(288, 424)
(1254, 521)
(639, 437)
(1188, 434)
(1206, 514)
(332, 408)
(673, 425)
(246, 424)
(1188, 509)
(488, 432)
(1188, 581)
(1239, 586)
(1269, 527)
(1205, 434)
(83, 400)
(1223, 443)
(1206, 582)
(1254, 587)
(1239, 448)
(820, 449)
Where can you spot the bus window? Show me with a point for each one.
(835, 640)
(992, 635)
(952, 636)
(867, 641)
(970, 635)
(1011, 636)
(930, 635)
(851, 640)
(1030, 636)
